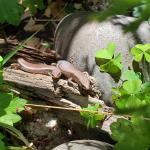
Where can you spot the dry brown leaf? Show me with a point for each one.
(32, 27)
(26, 14)
(33, 42)
(55, 9)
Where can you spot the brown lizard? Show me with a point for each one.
(39, 68)
(62, 67)
(69, 71)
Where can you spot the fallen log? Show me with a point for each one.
(49, 89)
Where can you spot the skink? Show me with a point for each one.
(62, 67)
(70, 71)
(39, 68)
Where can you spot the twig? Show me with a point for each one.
(45, 20)
(78, 110)
(65, 108)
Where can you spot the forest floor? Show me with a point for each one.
(43, 23)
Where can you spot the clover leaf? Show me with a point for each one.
(146, 87)
(113, 66)
(10, 119)
(92, 119)
(103, 55)
(129, 75)
(129, 96)
(131, 135)
(140, 51)
(128, 102)
(132, 86)
(9, 107)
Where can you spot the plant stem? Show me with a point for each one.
(144, 67)
(65, 108)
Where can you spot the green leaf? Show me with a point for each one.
(10, 11)
(33, 5)
(129, 75)
(1, 136)
(143, 47)
(117, 128)
(117, 61)
(146, 87)
(113, 66)
(5, 99)
(128, 103)
(16, 105)
(1, 59)
(106, 53)
(15, 133)
(137, 54)
(147, 56)
(2, 145)
(122, 7)
(92, 119)
(9, 106)
(116, 94)
(141, 50)
(103, 55)
(131, 135)
(132, 86)
(8, 56)
(10, 119)
(1, 77)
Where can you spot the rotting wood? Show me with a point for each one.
(47, 88)
(56, 91)
(32, 53)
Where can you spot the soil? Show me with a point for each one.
(36, 124)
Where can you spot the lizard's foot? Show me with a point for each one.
(91, 79)
(71, 83)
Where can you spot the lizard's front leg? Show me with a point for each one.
(71, 83)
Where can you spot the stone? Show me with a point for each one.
(84, 145)
(77, 39)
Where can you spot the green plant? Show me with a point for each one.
(14, 9)
(140, 52)
(10, 104)
(107, 60)
(92, 119)
(131, 134)
(10, 107)
(123, 7)
(132, 100)
(33, 5)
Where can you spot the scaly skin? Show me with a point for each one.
(70, 71)
(62, 67)
(39, 68)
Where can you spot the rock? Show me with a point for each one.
(77, 39)
(84, 145)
